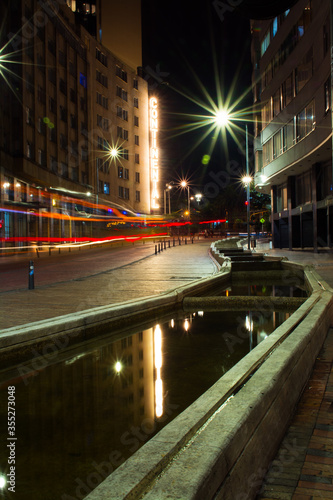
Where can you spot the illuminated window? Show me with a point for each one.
(275, 26)
(83, 80)
(106, 188)
(265, 43)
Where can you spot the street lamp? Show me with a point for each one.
(111, 153)
(247, 180)
(185, 185)
(167, 190)
(222, 119)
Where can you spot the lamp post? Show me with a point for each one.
(222, 118)
(185, 185)
(248, 179)
(111, 153)
(167, 190)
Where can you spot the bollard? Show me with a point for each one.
(49, 250)
(155, 249)
(37, 252)
(179, 241)
(159, 248)
(31, 275)
(164, 245)
(192, 240)
(169, 243)
(174, 242)
(185, 241)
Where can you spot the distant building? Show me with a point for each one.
(293, 123)
(65, 104)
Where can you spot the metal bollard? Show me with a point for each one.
(185, 241)
(192, 240)
(174, 242)
(155, 249)
(159, 248)
(165, 245)
(31, 275)
(169, 243)
(179, 242)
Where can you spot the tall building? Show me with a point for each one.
(67, 101)
(293, 123)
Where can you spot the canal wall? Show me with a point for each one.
(222, 445)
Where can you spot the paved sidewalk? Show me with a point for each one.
(303, 466)
(109, 277)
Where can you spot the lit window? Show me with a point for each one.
(275, 26)
(83, 80)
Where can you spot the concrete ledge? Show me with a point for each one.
(183, 458)
(192, 304)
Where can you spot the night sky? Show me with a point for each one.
(183, 42)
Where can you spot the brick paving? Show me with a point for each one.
(303, 466)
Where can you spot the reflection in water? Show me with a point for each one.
(81, 413)
(158, 366)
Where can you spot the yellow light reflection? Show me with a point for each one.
(249, 324)
(200, 313)
(186, 325)
(158, 365)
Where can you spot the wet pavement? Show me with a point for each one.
(82, 280)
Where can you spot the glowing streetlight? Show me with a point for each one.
(111, 153)
(184, 185)
(3, 482)
(222, 117)
(118, 367)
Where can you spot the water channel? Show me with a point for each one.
(82, 412)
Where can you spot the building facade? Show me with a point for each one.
(293, 123)
(67, 104)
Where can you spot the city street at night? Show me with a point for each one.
(166, 250)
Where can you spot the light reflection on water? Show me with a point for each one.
(79, 418)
